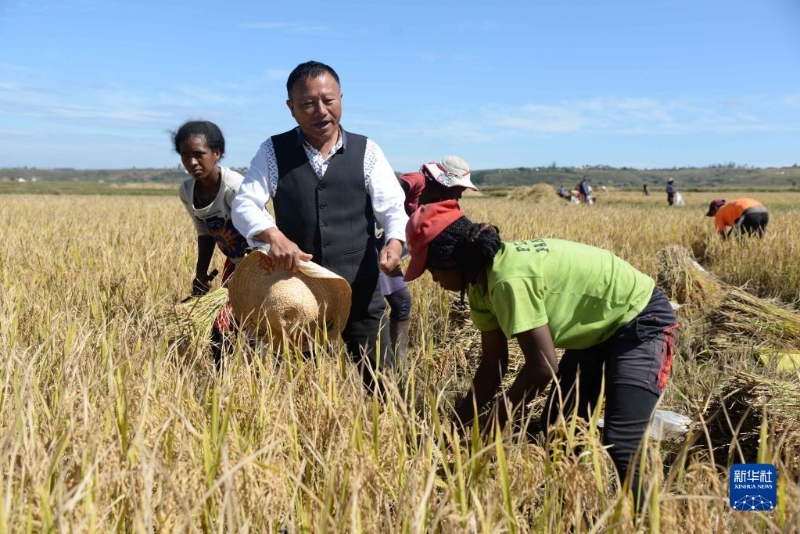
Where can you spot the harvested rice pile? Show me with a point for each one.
(735, 417)
(537, 193)
(735, 319)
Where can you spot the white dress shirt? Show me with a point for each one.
(251, 217)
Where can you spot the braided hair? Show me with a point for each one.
(470, 247)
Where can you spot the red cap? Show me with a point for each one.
(423, 227)
(415, 182)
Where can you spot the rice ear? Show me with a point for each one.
(196, 317)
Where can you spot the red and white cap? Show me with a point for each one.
(452, 171)
(423, 227)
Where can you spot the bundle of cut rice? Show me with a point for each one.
(764, 327)
(194, 318)
(735, 417)
(686, 282)
(735, 319)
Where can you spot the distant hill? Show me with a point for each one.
(714, 176)
(163, 176)
(685, 178)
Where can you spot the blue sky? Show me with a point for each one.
(641, 83)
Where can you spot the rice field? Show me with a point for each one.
(109, 422)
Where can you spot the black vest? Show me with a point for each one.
(330, 218)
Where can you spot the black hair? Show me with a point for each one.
(470, 247)
(436, 192)
(309, 69)
(213, 135)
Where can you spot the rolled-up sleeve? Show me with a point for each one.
(249, 209)
(386, 193)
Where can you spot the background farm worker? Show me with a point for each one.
(548, 293)
(328, 186)
(207, 197)
(562, 192)
(671, 191)
(645, 191)
(435, 182)
(742, 215)
(586, 190)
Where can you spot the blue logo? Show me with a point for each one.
(753, 487)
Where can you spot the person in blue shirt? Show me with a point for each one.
(671, 191)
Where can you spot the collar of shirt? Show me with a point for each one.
(318, 162)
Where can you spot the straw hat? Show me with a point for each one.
(266, 301)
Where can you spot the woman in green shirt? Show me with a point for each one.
(548, 293)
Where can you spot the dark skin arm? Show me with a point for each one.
(488, 376)
(205, 249)
(541, 364)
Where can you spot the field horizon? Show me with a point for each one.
(714, 177)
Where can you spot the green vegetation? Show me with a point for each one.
(174, 175)
(723, 177)
(717, 176)
(87, 188)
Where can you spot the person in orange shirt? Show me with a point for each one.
(742, 215)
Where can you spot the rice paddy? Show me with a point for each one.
(114, 418)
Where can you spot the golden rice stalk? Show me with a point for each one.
(196, 317)
(764, 323)
(734, 417)
(686, 282)
(734, 319)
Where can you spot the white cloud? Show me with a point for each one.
(791, 101)
(645, 115)
(536, 118)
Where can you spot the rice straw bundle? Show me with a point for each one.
(743, 318)
(196, 317)
(735, 319)
(537, 193)
(686, 282)
(734, 418)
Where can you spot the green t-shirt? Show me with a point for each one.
(583, 293)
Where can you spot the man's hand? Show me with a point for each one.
(390, 257)
(284, 252)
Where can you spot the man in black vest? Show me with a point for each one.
(328, 186)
